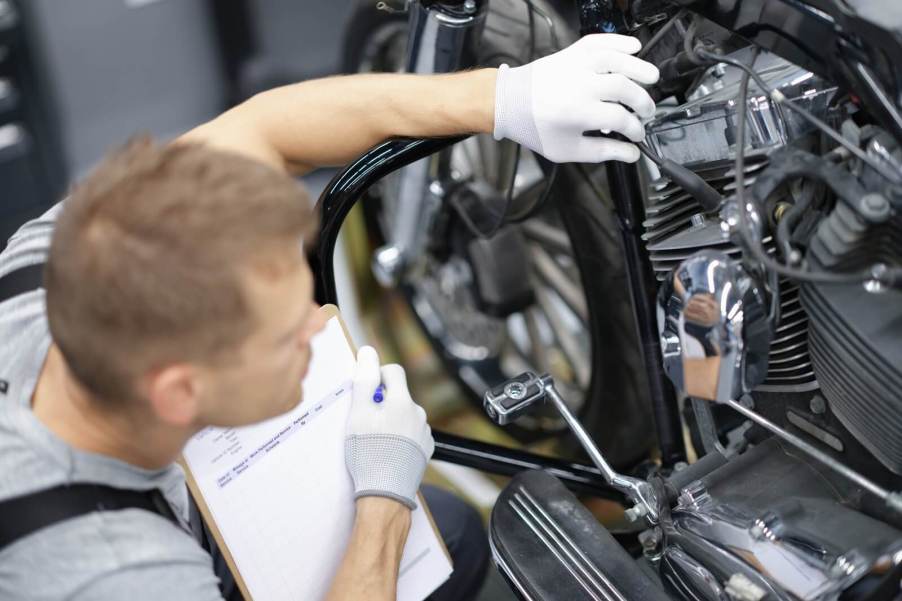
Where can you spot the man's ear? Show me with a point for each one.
(174, 393)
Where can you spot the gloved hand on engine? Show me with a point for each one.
(546, 105)
(388, 441)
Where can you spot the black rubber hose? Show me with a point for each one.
(691, 182)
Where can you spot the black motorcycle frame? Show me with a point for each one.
(844, 58)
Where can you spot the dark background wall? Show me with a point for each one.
(80, 77)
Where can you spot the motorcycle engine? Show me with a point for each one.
(821, 361)
(834, 368)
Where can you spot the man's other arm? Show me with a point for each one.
(387, 445)
(369, 569)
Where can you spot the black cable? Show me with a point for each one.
(694, 184)
(550, 180)
(654, 158)
(891, 277)
(689, 40)
(788, 219)
(530, 14)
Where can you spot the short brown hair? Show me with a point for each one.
(144, 266)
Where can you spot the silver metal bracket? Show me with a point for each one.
(893, 499)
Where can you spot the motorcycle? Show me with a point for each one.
(743, 281)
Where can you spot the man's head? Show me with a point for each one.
(177, 284)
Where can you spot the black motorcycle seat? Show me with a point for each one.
(550, 547)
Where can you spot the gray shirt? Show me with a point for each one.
(127, 555)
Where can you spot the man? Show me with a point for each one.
(177, 297)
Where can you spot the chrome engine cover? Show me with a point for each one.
(715, 334)
(700, 135)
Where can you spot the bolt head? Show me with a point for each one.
(817, 405)
(515, 390)
(387, 265)
(876, 205)
(635, 513)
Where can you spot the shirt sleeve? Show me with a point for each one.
(31, 243)
(153, 582)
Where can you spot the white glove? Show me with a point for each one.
(546, 105)
(388, 442)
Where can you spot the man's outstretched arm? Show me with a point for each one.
(331, 121)
(545, 105)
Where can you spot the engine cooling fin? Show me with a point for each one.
(676, 228)
(858, 361)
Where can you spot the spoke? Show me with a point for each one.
(546, 234)
(470, 152)
(552, 274)
(565, 337)
(539, 355)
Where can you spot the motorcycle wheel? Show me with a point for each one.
(581, 327)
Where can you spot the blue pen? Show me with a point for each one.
(378, 397)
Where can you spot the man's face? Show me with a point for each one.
(264, 378)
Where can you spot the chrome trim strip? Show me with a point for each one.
(590, 577)
(588, 562)
(501, 564)
(555, 551)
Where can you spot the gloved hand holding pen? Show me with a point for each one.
(388, 441)
(547, 104)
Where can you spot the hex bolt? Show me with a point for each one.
(650, 539)
(635, 513)
(875, 205)
(817, 405)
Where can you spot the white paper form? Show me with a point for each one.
(282, 498)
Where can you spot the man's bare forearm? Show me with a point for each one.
(331, 121)
(369, 569)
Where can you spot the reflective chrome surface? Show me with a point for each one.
(638, 491)
(704, 128)
(696, 577)
(715, 337)
(795, 563)
(700, 133)
(514, 398)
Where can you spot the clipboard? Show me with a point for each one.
(325, 313)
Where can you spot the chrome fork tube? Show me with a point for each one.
(442, 38)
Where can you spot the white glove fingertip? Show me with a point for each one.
(366, 373)
(605, 149)
(394, 378)
(636, 69)
(611, 41)
(627, 153)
